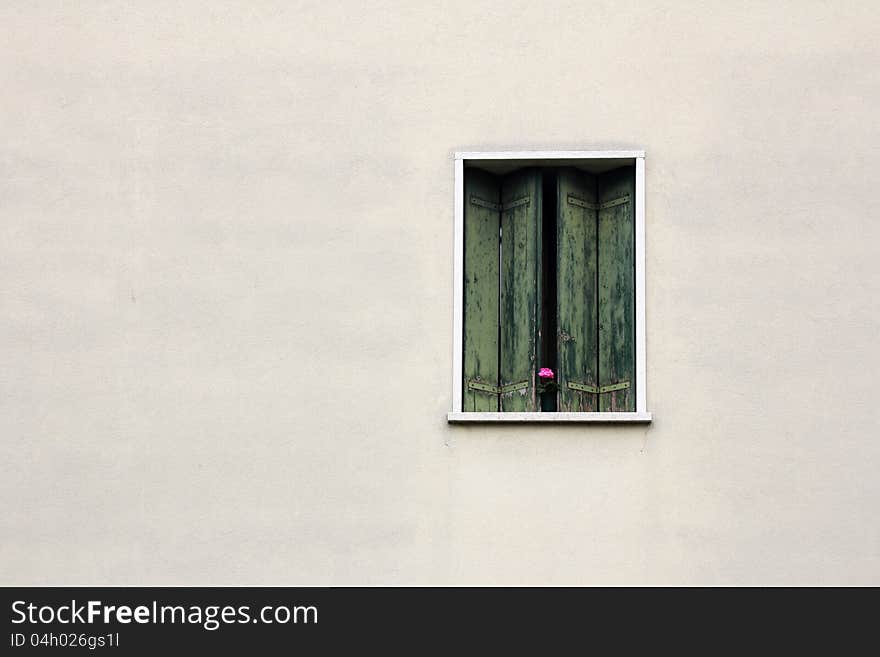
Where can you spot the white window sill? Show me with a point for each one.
(458, 417)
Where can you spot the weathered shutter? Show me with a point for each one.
(576, 293)
(616, 272)
(520, 264)
(481, 224)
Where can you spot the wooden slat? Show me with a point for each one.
(481, 291)
(577, 315)
(616, 275)
(520, 262)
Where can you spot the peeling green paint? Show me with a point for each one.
(520, 260)
(480, 358)
(576, 309)
(617, 288)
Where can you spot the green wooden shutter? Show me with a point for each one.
(595, 297)
(577, 313)
(520, 264)
(481, 291)
(617, 290)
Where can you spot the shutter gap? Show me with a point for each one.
(598, 289)
(500, 283)
(547, 349)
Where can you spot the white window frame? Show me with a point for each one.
(641, 414)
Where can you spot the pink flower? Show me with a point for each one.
(545, 373)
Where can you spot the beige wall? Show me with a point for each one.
(226, 266)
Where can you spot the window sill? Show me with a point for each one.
(458, 417)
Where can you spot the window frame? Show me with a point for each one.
(641, 414)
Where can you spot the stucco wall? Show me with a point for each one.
(226, 253)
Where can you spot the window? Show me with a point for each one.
(549, 273)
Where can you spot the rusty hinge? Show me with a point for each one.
(515, 204)
(582, 203)
(598, 390)
(589, 205)
(617, 201)
(497, 390)
(483, 203)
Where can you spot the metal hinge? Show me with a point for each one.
(486, 387)
(598, 390)
(515, 204)
(589, 205)
(582, 203)
(483, 203)
(617, 201)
